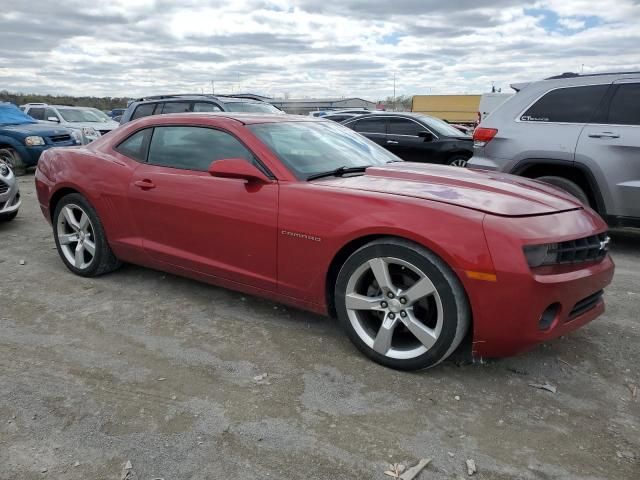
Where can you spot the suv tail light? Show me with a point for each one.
(482, 136)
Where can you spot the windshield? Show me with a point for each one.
(78, 115)
(104, 118)
(441, 127)
(309, 148)
(253, 107)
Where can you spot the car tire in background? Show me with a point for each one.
(568, 186)
(80, 238)
(401, 305)
(7, 217)
(13, 159)
(458, 161)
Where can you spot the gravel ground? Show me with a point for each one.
(166, 373)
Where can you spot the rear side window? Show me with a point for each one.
(176, 107)
(566, 105)
(371, 125)
(135, 146)
(143, 111)
(625, 105)
(193, 148)
(404, 126)
(37, 113)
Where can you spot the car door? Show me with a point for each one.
(187, 218)
(374, 128)
(403, 139)
(610, 148)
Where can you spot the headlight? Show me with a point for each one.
(538, 255)
(33, 141)
(90, 132)
(4, 169)
(76, 135)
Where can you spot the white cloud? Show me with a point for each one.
(307, 47)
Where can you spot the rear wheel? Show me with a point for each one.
(458, 161)
(80, 238)
(13, 159)
(401, 305)
(568, 186)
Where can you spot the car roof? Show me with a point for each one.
(195, 96)
(241, 117)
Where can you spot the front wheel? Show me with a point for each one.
(401, 305)
(80, 238)
(13, 159)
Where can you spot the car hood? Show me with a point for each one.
(38, 129)
(489, 192)
(94, 125)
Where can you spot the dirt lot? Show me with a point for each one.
(161, 371)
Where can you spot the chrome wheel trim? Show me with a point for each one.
(8, 158)
(76, 236)
(387, 304)
(459, 162)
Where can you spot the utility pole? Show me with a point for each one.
(394, 91)
(213, 90)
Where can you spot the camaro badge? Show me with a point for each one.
(303, 236)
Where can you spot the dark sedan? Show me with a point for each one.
(415, 137)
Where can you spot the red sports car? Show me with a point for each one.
(412, 258)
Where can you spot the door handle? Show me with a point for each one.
(392, 142)
(604, 135)
(145, 184)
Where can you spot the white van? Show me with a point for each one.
(489, 102)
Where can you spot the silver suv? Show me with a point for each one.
(580, 133)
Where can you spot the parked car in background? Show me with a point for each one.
(490, 102)
(9, 193)
(415, 137)
(580, 133)
(402, 253)
(340, 117)
(354, 111)
(467, 130)
(86, 123)
(164, 104)
(116, 112)
(23, 139)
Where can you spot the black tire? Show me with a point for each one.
(13, 159)
(455, 306)
(104, 261)
(7, 217)
(568, 186)
(456, 161)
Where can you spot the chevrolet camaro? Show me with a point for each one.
(413, 259)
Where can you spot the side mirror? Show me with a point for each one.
(237, 168)
(53, 119)
(428, 136)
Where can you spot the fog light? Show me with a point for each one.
(548, 317)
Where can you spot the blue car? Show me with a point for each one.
(23, 139)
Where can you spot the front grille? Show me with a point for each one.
(104, 132)
(585, 305)
(60, 138)
(587, 249)
(4, 188)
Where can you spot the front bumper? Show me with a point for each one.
(10, 200)
(508, 313)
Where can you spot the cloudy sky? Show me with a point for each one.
(307, 47)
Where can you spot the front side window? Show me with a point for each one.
(193, 148)
(206, 107)
(371, 125)
(625, 105)
(37, 113)
(143, 110)
(135, 146)
(308, 148)
(50, 113)
(404, 126)
(566, 105)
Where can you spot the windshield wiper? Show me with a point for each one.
(338, 172)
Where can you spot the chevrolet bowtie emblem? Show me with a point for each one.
(604, 244)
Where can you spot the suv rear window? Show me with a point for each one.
(566, 105)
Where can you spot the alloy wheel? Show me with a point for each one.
(394, 308)
(76, 236)
(459, 162)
